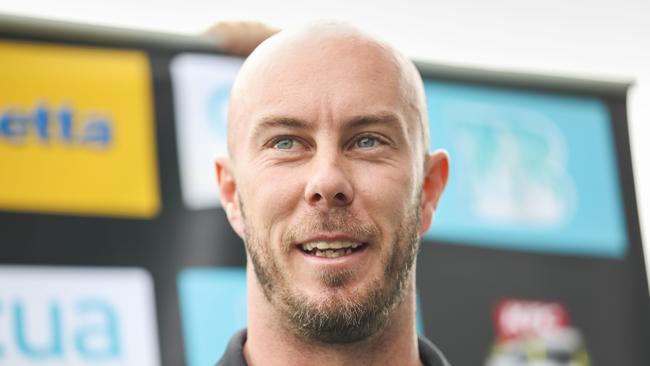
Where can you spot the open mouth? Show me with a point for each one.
(331, 249)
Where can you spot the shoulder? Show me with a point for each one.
(234, 354)
(430, 354)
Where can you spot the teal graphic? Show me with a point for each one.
(529, 171)
(213, 308)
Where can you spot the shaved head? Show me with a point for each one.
(316, 51)
(330, 183)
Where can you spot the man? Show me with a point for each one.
(330, 184)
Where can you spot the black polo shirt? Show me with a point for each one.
(234, 355)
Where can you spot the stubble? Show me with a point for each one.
(338, 319)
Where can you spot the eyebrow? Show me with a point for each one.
(275, 122)
(386, 118)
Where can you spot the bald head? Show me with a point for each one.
(328, 142)
(317, 61)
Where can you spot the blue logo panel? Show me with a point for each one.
(529, 171)
(213, 308)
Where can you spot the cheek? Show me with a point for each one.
(270, 196)
(386, 195)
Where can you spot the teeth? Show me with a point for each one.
(332, 253)
(322, 245)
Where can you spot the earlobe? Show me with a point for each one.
(436, 173)
(228, 194)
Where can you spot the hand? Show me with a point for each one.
(240, 37)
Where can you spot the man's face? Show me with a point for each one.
(328, 171)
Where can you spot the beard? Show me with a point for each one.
(337, 319)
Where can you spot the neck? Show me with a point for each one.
(269, 342)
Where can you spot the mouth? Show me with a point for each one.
(331, 249)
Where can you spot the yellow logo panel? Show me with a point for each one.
(76, 131)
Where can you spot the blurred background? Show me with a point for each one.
(116, 250)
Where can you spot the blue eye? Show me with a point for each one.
(283, 144)
(366, 142)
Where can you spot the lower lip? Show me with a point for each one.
(334, 261)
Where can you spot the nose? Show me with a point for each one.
(329, 185)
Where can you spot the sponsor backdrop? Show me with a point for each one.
(115, 250)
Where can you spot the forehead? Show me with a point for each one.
(324, 83)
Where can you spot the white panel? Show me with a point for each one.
(77, 316)
(201, 85)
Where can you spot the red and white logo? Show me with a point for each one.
(519, 318)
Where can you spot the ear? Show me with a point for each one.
(436, 172)
(228, 194)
